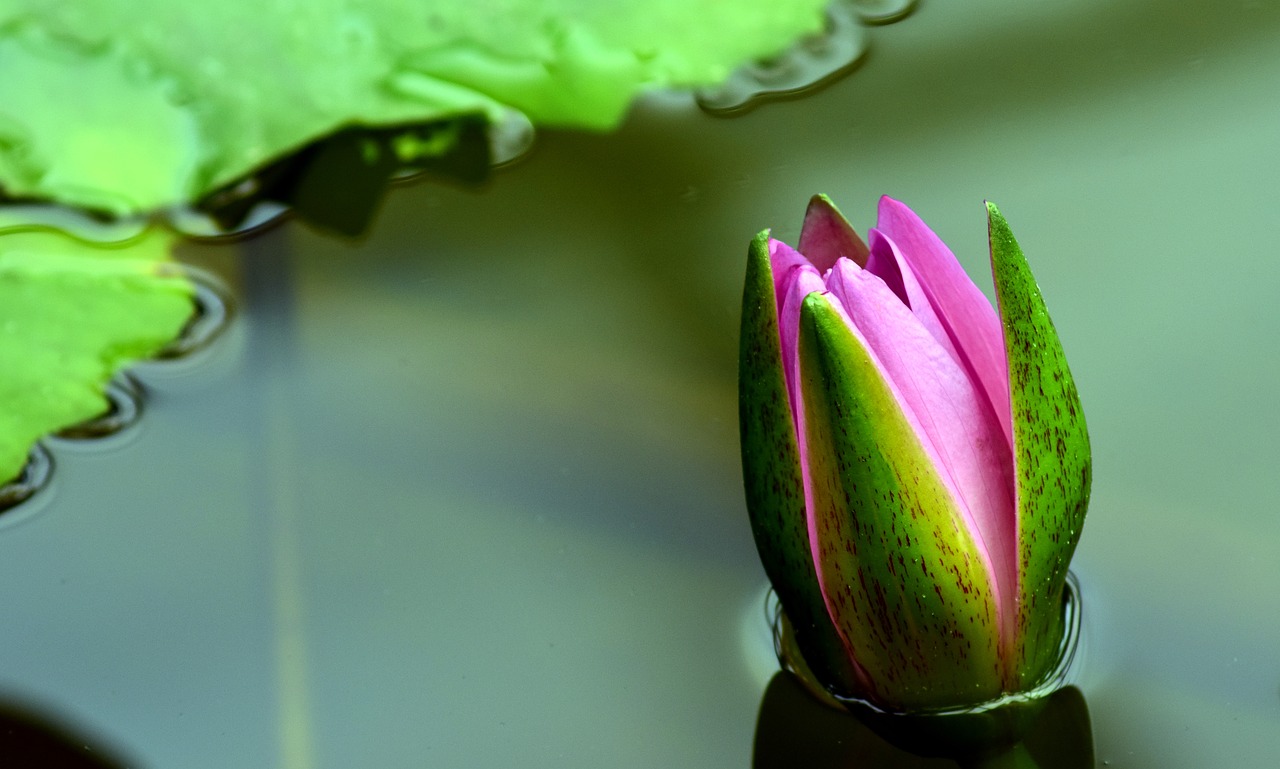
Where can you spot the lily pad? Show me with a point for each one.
(129, 107)
(72, 314)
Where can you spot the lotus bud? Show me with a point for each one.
(916, 461)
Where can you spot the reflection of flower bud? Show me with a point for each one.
(917, 467)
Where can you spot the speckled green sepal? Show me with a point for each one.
(1051, 454)
(909, 592)
(773, 480)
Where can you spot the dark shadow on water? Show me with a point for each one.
(337, 182)
(32, 739)
(795, 731)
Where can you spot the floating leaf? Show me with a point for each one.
(127, 107)
(72, 314)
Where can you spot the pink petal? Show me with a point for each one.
(826, 235)
(794, 279)
(948, 412)
(966, 316)
(887, 263)
(782, 260)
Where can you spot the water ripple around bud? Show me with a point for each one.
(1063, 673)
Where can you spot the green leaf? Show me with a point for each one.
(772, 476)
(127, 107)
(911, 594)
(72, 314)
(1051, 453)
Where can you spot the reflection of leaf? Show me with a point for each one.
(337, 182)
(131, 106)
(71, 315)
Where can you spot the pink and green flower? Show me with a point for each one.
(916, 462)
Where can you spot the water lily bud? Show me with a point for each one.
(916, 462)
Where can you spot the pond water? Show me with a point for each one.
(467, 493)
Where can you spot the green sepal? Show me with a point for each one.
(908, 586)
(773, 480)
(1052, 466)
